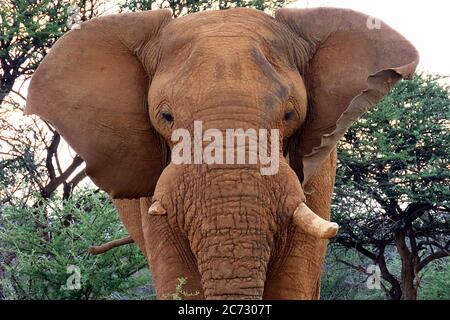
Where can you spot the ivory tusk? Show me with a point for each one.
(156, 209)
(312, 224)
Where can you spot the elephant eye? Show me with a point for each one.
(167, 116)
(289, 115)
(290, 110)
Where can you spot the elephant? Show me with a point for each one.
(119, 86)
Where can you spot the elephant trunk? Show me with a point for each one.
(233, 264)
(231, 232)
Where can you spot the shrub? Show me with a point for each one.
(49, 245)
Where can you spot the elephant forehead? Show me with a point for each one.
(226, 71)
(199, 28)
(236, 71)
(238, 64)
(238, 57)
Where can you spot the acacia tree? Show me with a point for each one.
(30, 152)
(182, 7)
(393, 183)
(30, 148)
(27, 29)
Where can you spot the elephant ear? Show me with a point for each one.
(356, 61)
(93, 88)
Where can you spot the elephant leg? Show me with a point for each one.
(170, 258)
(168, 254)
(130, 214)
(296, 274)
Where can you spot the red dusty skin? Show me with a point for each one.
(233, 245)
(230, 216)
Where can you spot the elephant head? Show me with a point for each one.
(119, 88)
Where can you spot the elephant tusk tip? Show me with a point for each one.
(314, 225)
(331, 231)
(156, 209)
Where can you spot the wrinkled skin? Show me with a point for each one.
(233, 210)
(226, 228)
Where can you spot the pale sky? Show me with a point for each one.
(426, 23)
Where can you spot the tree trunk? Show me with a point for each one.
(409, 289)
(5, 89)
(395, 293)
(408, 275)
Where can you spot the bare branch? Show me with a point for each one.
(434, 256)
(358, 268)
(55, 183)
(94, 250)
(356, 245)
